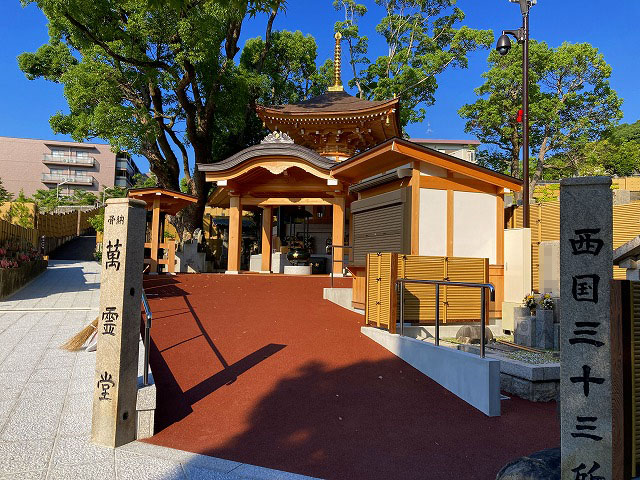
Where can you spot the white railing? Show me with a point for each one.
(71, 179)
(69, 160)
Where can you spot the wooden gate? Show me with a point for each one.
(457, 304)
(381, 301)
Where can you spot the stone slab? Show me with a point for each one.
(586, 257)
(544, 329)
(117, 356)
(342, 297)
(475, 380)
(525, 331)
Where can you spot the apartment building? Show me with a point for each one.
(463, 149)
(30, 165)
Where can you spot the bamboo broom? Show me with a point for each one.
(76, 342)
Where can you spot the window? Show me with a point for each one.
(82, 154)
(57, 152)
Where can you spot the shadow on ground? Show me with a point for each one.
(80, 248)
(331, 404)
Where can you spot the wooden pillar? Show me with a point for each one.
(415, 209)
(155, 236)
(338, 234)
(351, 235)
(171, 256)
(267, 227)
(78, 225)
(500, 228)
(450, 214)
(235, 234)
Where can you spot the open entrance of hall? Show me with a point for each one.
(396, 197)
(340, 157)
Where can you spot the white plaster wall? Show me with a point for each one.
(474, 225)
(432, 170)
(433, 222)
(517, 264)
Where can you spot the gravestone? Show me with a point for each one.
(585, 374)
(544, 329)
(116, 374)
(524, 331)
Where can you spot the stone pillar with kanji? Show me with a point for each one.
(116, 374)
(586, 270)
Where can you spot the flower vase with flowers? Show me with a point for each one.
(546, 302)
(530, 302)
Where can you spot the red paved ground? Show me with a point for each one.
(261, 370)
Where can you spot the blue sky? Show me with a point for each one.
(610, 26)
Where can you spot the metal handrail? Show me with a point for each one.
(492, 296)
(147, 338)
(332, 247)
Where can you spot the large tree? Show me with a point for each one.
(160, 79)
(617, 152)
(424, 38)
(571, 104)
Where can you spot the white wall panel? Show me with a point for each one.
(474, 225)
(433, 222)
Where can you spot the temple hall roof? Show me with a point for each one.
(338, 103)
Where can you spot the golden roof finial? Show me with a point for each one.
(337, 60)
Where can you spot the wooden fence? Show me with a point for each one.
(63, 224)
(13, 234)
(56, 228)
(545, 226)
(457, 304)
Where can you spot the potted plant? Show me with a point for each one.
(544, 322)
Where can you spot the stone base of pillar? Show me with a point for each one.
(232, 272)
(265, 271)
(297, 270)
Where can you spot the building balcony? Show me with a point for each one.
(67, 179)
(68, 160)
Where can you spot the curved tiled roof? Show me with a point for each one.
(330, 102)
(267, 149)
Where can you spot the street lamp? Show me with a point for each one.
(58, 189)
(503, 46)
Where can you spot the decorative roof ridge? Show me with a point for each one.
(264, 149)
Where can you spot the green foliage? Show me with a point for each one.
(46, 200)
(82, 197)
(97, 221)
(154, 78)
(184, 185)
(571, 104)
(617, 153)
(114, 192)
(5, 195)
(547, 192)
(19, 213)
(289, 72)
(144, 181)
(424, 39)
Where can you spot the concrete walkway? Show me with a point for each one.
(46, 394)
